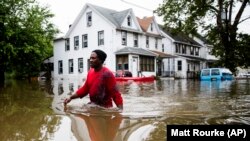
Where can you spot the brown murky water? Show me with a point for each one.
(34, 111)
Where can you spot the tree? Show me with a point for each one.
(218, 19)
(26, 37)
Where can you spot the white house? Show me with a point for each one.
(126, 39)
(188, 58)
(140, 46)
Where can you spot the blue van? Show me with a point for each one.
(216, 74)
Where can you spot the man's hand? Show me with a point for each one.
(120, 107)
(67, 100)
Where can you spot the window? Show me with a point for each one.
(147, 63)
(100, 38)
(124, 38)
(76, 42)
(162, 48)
(147, 41)
(197, 51)
(89, 19)
(191, 50)
(80, 65)
(67, 47)
(156, 43)
(129, 20)
(215, 72)
(85, 40)
(60, 67)
(71, 66)
(184, 49)
(122, 62)
(179, 64)
(135, 40)
(177, 48)
(205, 73)
(151, 27)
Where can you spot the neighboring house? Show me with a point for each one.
(187, 60)
(206, 52)
(127, 40)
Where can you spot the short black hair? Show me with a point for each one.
(100, 54)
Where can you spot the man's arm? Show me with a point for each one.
(113, 90)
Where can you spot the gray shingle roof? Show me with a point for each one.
(135, 50)
(179, 37)
(115, 17)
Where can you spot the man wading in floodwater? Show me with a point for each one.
(100, 84)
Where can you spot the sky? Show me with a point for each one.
(66, 11)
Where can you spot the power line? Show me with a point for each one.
(137, 5)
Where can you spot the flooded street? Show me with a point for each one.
(34, 111)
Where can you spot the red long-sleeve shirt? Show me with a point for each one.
(101, 87)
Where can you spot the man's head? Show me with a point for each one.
(97, 58)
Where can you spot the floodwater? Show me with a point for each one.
(34, 111)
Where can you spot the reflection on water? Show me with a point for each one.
(29, 112)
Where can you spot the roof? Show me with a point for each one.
(163, 55)
(113, 16)
(179, 36)
(193, 58)
(145, 22)
(135, 50)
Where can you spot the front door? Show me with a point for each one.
(135, 67)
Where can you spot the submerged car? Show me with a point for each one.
(216, 74)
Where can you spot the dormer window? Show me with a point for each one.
(129, 20)
(151, 27)
(89, 19)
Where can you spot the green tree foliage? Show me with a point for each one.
(26, 37)
(217, 19)
(243, 50)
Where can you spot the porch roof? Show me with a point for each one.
(193, 58)
(163, 55)
(135, 50)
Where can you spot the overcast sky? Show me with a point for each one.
(66, 10)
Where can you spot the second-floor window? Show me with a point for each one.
(76, 42)
(191, 50)
(151, 27)
(147, 41)
(71, 66)
(80, 65)
(184, 50)
(197, 51)
(89, 19)
(135, 40)
(124, 38)
(100, 38)
(162, 48)
(85, 40)
(177, 48)
(67, 46)
(60, 67)
(156, 43)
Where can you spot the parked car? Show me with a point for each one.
(216, 74)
